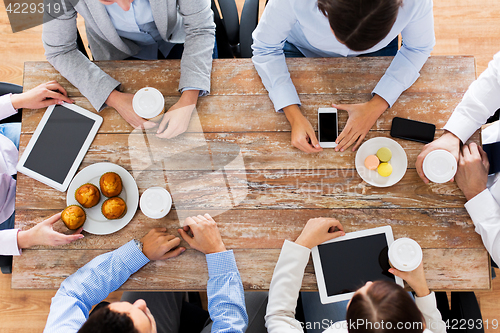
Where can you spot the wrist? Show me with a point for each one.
(219, 248)
(302, 241)
(449, 136)
(469, 195)
(378, 104)
(112, 98)
(292, 113)
(422, 292)
(24, 239)
(189, 97)
(16, 100)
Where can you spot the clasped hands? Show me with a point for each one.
(361, 119)
(174, 122)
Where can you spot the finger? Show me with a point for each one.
(169, 237)
(336, 234)
(314, 141)
(66, 239)
(466, 152)
(337, 224)
(349, 141)
(78, 231)
(196, 218)
(49, 102)
(473, 149)
(57, 96)
(358, 143)
(170, 244)
(54, 85)
(419, 166)
(484, 158)
(340, 106)
(174, 253)
(189, 221)
(304, 145)
(201, 218)
(185, 236)
(208, 217)
(397, 273)
(164, 123)
(159, 230)
(149, 124)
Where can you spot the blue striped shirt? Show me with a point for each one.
(104, 274)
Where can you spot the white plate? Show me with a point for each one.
(96, 223)
(398, 161)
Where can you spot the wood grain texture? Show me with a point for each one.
(189, 271)
(247, 173)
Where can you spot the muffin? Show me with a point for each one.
(88, 195)
(114, 208)
(73, 217)
(111, 184)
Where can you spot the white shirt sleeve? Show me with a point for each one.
(8, 243)
(427, 305)
(480, 102)
(285, 287)
(485, 213)
(6, 108)
(418, 42)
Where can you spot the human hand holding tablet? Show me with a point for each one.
(319, 230)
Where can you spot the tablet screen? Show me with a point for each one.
(59, 143)
(349, 264)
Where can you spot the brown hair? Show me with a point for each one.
(360, 24)
(105, 320)
(386, 307)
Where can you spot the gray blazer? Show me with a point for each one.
(59, 40)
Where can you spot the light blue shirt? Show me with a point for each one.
(137, 24)
(301, 23)
(93, 282)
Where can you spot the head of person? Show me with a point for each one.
(124, 4)
(360, 24)
(122, 317)
(381, 307)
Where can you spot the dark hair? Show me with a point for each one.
(386, 307)
(360, 24)
(105, 320)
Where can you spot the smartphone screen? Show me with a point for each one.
(327, 127)
(412, 130)
(493, 152)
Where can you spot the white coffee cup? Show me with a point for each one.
(440, 166)
(405, 254)
(148, 103)
(155, 202)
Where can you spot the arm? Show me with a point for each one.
(90, 285)
(433, 321)
(285, 287)
(480, 102)
(59, 40)
(418, 41)
(226, 300)
(288, 273)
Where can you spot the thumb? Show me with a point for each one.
(164, 122)
(149, 124)
(185, 236)
(173, 253)
(71, 238)
(314, 140)
(340, 106)
(53, 219)
(398, 273)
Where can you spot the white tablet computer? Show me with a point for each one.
(344, 264)
(59, 145)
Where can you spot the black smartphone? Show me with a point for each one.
(412, 130)
(493, 152)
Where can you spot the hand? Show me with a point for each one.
(176, 119)
(44, 234)
(40, 97)
(122, 103)
(472, 172)
(416, 279)
(205, 234)
(303, 136)
(361, 119)
(319, 230)
(158, 245)
(448, 141)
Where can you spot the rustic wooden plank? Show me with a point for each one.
(269, 189)
(461, 269)
(310, 75)
(197, 151)
(227, 114)
(268, 228)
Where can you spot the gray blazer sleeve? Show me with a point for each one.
(59, 40)
(196, 62)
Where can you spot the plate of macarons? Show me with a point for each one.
(103, 196)
(381, 162)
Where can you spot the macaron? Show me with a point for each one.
(384, 169)
(371, 162)
(384, 154)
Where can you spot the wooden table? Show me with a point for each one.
(280, 187)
